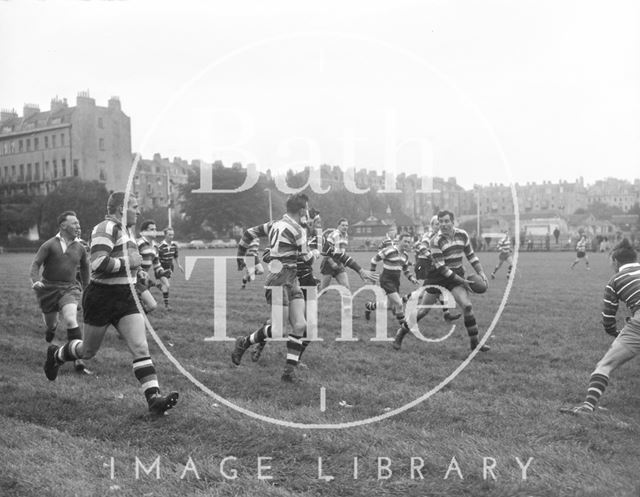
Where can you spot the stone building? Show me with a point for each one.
(42, 148)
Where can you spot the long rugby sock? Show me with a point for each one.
(68, 352)
(509, 270)
(145, 373)
(74, 333)
(260, 335)
(471, 326)
(305, 344)
(165, 298)
(401, 320)
(597, 385)
(294, 349)
(371, 306)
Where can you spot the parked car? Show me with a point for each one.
(215, 244)
(196, 244)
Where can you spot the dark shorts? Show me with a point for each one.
(167, 266)
(330, 267)
(438, 279)
(107, 304)
(56, 294)
(288, 280)
(390, 281)
(580, 255)
(504, 256)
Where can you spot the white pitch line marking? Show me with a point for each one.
(323, 399)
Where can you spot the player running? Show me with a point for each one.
(395, 259)
(447, 250)
(623, 286)
(505, 255)
(335, 241)
(108, 301)
(168, 255)
(581, 252)
(250, 271)
(62, 258)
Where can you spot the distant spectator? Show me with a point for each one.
(556, 234)
(547, 241)
(529, 245)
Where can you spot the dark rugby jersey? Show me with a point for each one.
(167, 252)
(623, 286)
(59, 265)
(447, 252)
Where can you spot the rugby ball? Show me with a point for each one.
(477, 284)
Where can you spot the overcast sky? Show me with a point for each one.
(486, 91)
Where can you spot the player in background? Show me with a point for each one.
(62, 258)
(623, 286)
(150, 264)
(336, 242)
(448, 248)
(250, 272)
(168, 255)
(108, 301)
(395, 260)
(505, 255)
(581, 252)
(390, 238)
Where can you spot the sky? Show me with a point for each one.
(486, 92)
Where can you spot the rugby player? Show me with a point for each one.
(62, 258)
(108, 301)
(447, 250)
(581, 252)
(168, 255)
(623, 286)
(335, 241)
(505, 255)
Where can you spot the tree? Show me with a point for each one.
(87, 198)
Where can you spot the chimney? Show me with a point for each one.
(157, 157)
(84, 99)
(56, 104)
(114, 103)
(6, 114)
(29, 110)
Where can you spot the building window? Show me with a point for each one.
(101, 144)
(100, 123)
(76, 172)
(36, 143)
(149, 188)
(46, 142)
(62, 139)
(19, 145)
(28, 172)
(53, 141)
(28, 144)
(21, 177)
(13, 171)
(55, 168)
(103, 177)
(46, 173)
(36, 171)
(64, 167)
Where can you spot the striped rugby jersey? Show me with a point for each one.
(387, 242)
(581, 246)
(392, 260)
(167, 252)
(149, 251)
(423, 250)
(447, 252)
(504, 245)
(109, 240)
(625, 286)
(254, 248)
(287, 239)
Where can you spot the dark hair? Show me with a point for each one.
(624, 253)
(63, 217)
(441, 214)
(146, 223)
(404, 234)
(116, 199)
(296, 202)
(342, 220)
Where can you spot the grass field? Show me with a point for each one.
(83, 435)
